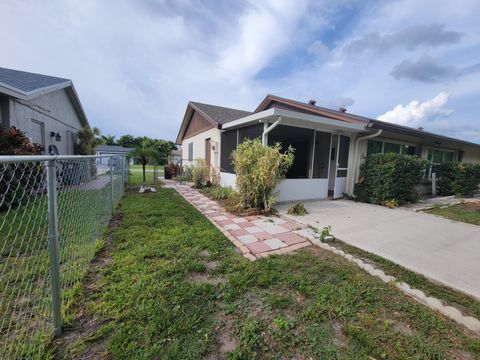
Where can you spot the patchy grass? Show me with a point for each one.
(298, 209)
(466, 212)
(25, 303)
(467, 304)
(177, 289)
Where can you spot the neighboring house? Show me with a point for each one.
(176, 156)
(112, 149)
(46, 108)
(329, 144)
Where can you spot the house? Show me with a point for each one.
(46, 108)
(329, 144)
(112, 149)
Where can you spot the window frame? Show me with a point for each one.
(432, 164)
(397, 142)
(190, 151)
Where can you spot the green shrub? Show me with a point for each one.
(297, 209)
(259, 169)
(219, 192)
(458, 178)
(200, 173)
(389, 177)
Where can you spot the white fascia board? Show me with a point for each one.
(250, 119)
(294, 118)
(28, 95)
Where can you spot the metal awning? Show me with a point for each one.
(297, 119)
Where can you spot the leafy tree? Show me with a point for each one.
(129, 141)
(88, 139)
(109, 139)
(145, 153)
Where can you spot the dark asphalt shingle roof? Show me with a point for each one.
(26, 81)
(220, 114)
(116, 148)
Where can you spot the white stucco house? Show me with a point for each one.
(329, 144)
(46, 108)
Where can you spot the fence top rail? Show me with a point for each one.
(26, 158)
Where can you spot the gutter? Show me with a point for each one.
(267, 129)
(356, 146)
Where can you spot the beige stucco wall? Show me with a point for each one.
(54, 111)
(199, 148)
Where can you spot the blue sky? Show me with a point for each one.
(136, 64)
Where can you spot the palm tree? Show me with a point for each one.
(88, 139)
(109, 139)
(144, 153)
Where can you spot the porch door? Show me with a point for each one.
(208, 153)
(343, 147)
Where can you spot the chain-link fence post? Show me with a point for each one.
(53, 246)
(154, 171)
(111, 183)
(123, 171)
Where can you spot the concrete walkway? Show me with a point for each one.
(441, 249)
(255, 236)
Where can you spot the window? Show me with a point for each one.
(436, 157)
(391, 148)
(384, 147)
(190, 151)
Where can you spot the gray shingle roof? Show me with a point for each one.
(220, 114)
(114, 148)
(27, 82)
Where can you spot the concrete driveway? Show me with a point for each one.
(443, 250)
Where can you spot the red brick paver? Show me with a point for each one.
(255, 236)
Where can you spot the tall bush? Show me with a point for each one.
(386, 177)
(259, 169)
(200, 173)
(458, 178)
(19, 181)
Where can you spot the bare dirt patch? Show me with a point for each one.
(204, 253)
(202, 278)
(471, 205)
(338, 337)
(84, 325)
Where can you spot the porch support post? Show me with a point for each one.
(267, 129)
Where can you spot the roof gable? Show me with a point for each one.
(208, 116)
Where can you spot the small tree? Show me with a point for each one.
(144, 153)
(88, 139)
(109, 139)
(259, 169)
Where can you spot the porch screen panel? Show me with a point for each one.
(228, 144)
(322, 155)
(250, 132)
(343, 156)
(302, 141)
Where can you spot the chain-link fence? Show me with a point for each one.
(53, 210)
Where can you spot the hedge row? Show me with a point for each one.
(389, 177)
(458, 178)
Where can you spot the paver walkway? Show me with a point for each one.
(256, 236)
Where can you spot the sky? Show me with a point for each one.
(135, 64)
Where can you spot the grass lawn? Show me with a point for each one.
(136, 174)
(177, 289)
(467, 212)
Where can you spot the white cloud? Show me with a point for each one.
(418, 113)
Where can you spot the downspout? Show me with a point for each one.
(357, 143)
(267, 129)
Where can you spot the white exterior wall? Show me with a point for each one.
(289, 189)
(55, 111)
(199, 147)
(228, 180)
(472, 156)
